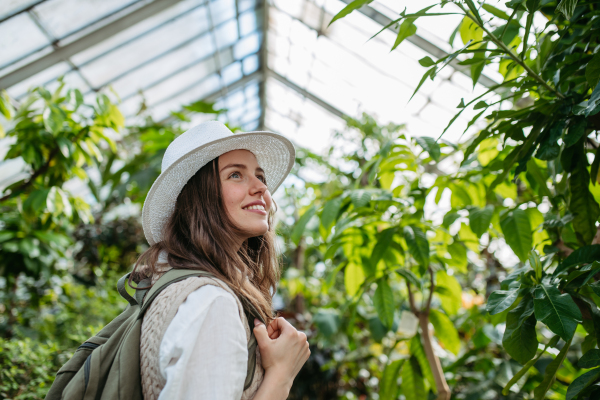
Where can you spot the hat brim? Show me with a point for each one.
(275, 155)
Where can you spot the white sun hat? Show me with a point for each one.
(195, 148)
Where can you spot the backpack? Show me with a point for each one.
(107, 366)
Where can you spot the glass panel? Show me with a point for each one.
(246, 5)
(198, 92)
(226, 34)
(19, 36)
(136, 30)
(180, 82)
(21, 88)
(62, 17)
(250, 64)
(248, 45)
(248, 23)
(135, 53)
(184, 58)
(232, 73)
(8, 7)
(26, 60)
(222, 10)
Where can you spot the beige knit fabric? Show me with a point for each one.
(158, 317)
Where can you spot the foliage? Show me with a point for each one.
(547, 213)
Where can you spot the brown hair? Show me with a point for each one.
(200, 236)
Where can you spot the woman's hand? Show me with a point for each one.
(283, 350)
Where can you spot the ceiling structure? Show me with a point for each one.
(274, 64)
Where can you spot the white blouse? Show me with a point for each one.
(204, 354)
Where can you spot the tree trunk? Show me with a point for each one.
(434, 362)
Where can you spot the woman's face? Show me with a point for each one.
(247, 199)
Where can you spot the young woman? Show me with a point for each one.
(211, 210)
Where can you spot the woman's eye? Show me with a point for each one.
(262, 179)
(235, 175)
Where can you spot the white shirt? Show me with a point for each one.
(204, 354)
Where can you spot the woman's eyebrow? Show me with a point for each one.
(241, 166)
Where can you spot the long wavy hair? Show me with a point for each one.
(201, 236)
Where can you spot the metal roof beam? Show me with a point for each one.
(89, 40)
(422, 43)
(306, 94)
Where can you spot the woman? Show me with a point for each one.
(211, 209)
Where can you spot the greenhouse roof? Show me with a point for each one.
(274, 64)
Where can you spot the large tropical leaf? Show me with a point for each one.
(418, 245)
(501, 300)
(480, 218)
(413, 385)
(582, 382)
(520, 340)
(517, 232)
(388, 386)
(583, 255)
(300, 226)
(449, 291)
(557, 310)
(354, 276)
(445, 330)
(384, 303)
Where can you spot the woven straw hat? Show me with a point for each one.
(194, 149)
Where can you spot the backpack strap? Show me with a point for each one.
(168, 278)
(123, 291)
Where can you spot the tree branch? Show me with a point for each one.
(33, 177)
(512, 55)
(411, 300)
(434, 362)
(431, 288)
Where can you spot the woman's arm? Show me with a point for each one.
(282, 357)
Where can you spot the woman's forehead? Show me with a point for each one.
(240, 156)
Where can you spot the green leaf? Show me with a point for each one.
(327, 321)
(558, 311)
(476, 70)
(449, 218)
(494, 11)
(480, 219)
(517, 232)
(583, 255)
(300, 226)
(501, 300)
(592, 71)
(449, 291)
(388, 387)
(590, 359)
(36, 201)
(74, 98)
(413, 385)
(426, 61)
(445, 330)
(409, 276)
(356, 4)
(582, 382)
(407, 29)
(520, 340)
(567, 7)
(384, 303)
(430, 146)
(6, 107)
(550, 372)
(53, 119)
(469, 31)
(595, 167)
(576, 132)
(582, 204)
(417, 351)
(418, 245)
(64, 146)
(354, 276)
(360, 198)
(383, 244)
(330, 212)
(430, 73)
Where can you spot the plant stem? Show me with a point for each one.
(434, 362)
(512, 55)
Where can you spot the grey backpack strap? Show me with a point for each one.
(123, 291)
